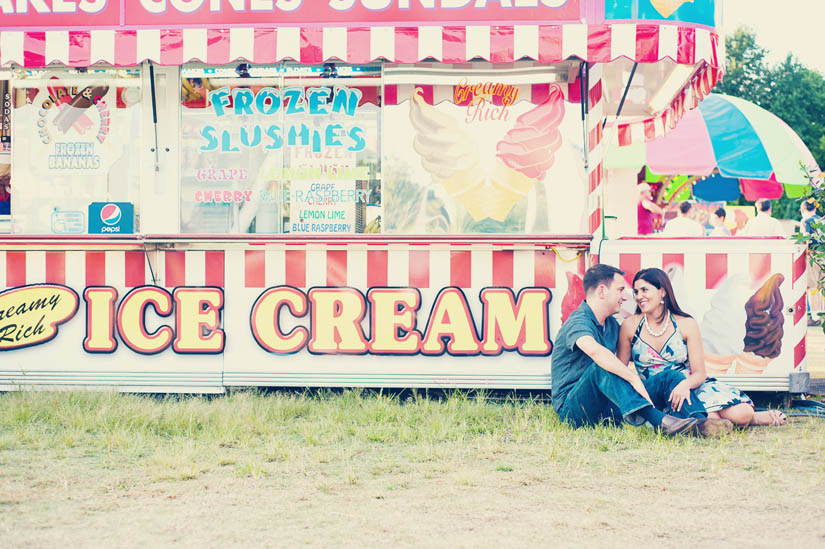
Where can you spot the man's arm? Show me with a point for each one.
(606, 360)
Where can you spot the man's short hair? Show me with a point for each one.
(599, 274)
(809, 205)
(720, 212)
(764, 205)
(685, 207)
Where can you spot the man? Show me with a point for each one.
(763, 224)
(591, 384)
(717, 220)
(683, 225)
(809, 217)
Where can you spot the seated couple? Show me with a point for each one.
(668, 387)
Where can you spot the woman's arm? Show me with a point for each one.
(651, 206)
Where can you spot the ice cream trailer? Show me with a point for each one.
(393, 193)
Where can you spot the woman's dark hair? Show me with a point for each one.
(720, 212)
(659, 280)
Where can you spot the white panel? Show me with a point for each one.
(481, 271)
(57, 46)
(288, 43)
(275, 268)
(242, 43)
(668, 40)
(398, 266)
(524, 269)
(357, 268)
(148, 45)
(2, 270)
(478, 42)
(35, 267)
(439, 268)
(115, 269)
(430, 42)
(574, 41)
(623, 41)
(703, 47)
(103, 46)
(382, 43)
(76, 271)
(195, 268)
(334, 43)
(696, 301)
(316, 267)
(194, 44)
(11, 47)
(650, 258)
(526, 41)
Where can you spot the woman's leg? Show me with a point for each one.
(739, 414)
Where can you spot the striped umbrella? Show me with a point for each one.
(739, 145)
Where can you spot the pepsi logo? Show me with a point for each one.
(110, 214)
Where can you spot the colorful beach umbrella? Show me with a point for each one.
(735, 142)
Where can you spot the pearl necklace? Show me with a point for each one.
(659, 333)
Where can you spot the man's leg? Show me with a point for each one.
(591, 397)
(660, 386)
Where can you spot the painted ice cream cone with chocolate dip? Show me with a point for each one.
(764, 328)
(723, 325)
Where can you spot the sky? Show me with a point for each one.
(795, 26)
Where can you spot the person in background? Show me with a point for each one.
(647, 210)
(717, 219)
(683, 225)
(809, 217)
(763, 224)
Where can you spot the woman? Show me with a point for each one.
(660, 336)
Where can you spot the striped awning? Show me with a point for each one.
(598, 43)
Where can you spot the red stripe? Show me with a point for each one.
(594, 180)
(135, 269)
(647, 43)
(544, 271)
(598, 43)
(296, 268)
(214, 268)
(171, 47)
(539, 93)
(461, 268)
(175, 269)
(254, 268)
(630, 264)
(34, 49)
(502, 44)
(419, 268)
(799, 309)
(358, 45)
(391, 94)
(217, 46)
(625, 135)
(574, 92)
(799, 266)
(799, 353)
(406, 44)
(336, 267)
(595, 94)
(376, 268)
(95, 268)
(56, 267)
(264, 48)
(453, 44)
(15, 269)
(714, 48)
(125, 47)
(595, 220)
(673, 259)
(550, 37)
(503, 268)
(80, 48)
(760, 267)
(716, 269)
(312, 42)
(650, 129)
(686, 48)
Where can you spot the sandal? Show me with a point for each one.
(772, 418)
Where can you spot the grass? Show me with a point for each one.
(458, 457)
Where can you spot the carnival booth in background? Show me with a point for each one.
(352, 193)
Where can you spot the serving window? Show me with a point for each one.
(72, 141)
(281, 149)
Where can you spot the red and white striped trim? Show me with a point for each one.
(595, 165)
(448, 44)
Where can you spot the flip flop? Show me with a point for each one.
(777, 419)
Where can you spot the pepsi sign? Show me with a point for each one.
(111, 218)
